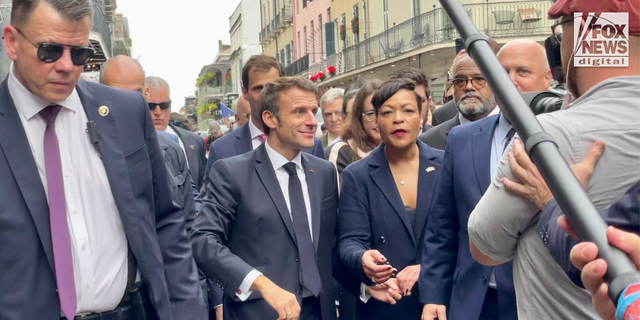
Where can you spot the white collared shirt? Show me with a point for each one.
(278, 161)
(464, 120)
(170, 130)
(98, 241)
(255, 135)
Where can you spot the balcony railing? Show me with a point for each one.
(497, 20)
(286, 15)
(101, 26)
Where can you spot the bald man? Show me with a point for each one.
(123, 72)
(526, 63)
(243, 111)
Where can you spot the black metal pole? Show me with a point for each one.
(566, 189)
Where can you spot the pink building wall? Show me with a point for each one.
(315, 40)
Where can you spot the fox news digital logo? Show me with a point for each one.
(605, 43)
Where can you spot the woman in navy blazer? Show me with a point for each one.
(382, 218)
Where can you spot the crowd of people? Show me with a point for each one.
(114, 209)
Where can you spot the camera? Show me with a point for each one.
(543, 101)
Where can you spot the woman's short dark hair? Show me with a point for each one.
(389, 89)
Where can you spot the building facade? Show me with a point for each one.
(214, 86)
(276, 35)
(309, 22)
(244, 29)
(426, 40)
(121, 38)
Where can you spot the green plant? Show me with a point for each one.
(343, 32)
(355, 25)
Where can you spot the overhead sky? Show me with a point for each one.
(175, 39)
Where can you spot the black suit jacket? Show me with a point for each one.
(196, 153)
(245, 224)
(444, 113)
(154, 226)
(436, 137)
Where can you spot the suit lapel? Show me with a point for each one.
(383, 179)
(429, 170)
(481, 142)
(243, 140)
(115, 165)
(192, 157)
(270, 182)
(313, 181)
(15, 146)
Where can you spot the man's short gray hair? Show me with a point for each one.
(72, 10)
(156, 83)
(331, 95)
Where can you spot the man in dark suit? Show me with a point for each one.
(157, 92)
(477, 289)
(445, 113)
(267, 228)
(256, 74)
(473, 98)
(66, 190)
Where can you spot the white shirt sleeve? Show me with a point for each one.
(245, 287)
(364, 294)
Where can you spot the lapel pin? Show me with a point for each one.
(192, 147)
(103, 111)
(311, 170)
(429, 169)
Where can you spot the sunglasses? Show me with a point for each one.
(163, 105)
(51, 52)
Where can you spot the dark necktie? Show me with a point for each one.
(306, 252)
(510, 135)
(60, 237)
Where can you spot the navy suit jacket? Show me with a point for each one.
(196, 153)
(154, 226)
(239, 142)
(373, 216)
(245, 224)
(449, 275)
(624, 214)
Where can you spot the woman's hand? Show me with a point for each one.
(407, 278)
(386, 292)
(375, 272)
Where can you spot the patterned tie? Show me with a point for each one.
(62, 257)
(306, 251)
(263, 137)
(510, 134)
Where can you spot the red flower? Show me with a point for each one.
(332, 69)
(320, 75)
(313, 78)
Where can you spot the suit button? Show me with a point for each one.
(484, 280)
(382, 239)
(297, 259)
(299, 290)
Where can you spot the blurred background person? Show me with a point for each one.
(331, 108)
(362, 135)
(179, 121)
(381, 215)
(215, 132)
(323, 128)
(243, 111)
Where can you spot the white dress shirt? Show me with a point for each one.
(255, 135)
(497, 145)
(170, 130)
(464, 120)
(98, 241)
(278, 161)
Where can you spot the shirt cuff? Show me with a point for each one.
(245, 287)
(364, 295)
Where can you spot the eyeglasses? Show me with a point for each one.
(163, 105)
(369, 116)
(558, 35)
(338, 114)
(51, 52)
(476, 82)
